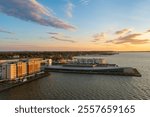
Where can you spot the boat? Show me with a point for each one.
(92, 65)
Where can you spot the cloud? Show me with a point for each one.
(85, 2)
(99, 37)
(148, 31)
(5, 31)
(31, 10)
(69, 9)
(67, 40)
(60, 37)
(123, 31)
(53, 33)
(10, 38)
(131, 38)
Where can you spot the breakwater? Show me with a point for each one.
(121, 71)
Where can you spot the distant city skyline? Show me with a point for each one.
(74, 25)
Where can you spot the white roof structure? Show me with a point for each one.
(89, 60)
(87, 57)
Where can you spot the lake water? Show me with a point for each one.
(66, 86)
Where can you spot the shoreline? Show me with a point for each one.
(12, 85)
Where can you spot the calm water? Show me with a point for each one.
(84, 86)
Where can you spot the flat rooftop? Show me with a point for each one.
(87, 57)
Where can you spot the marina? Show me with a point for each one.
(93, 65)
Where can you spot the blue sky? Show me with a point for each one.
(74, 25)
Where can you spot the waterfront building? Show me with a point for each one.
(37, 66)
(21, 69)
(88, 60)
(8, 61)
(9, 71)
(30, 67)
(49, 62)
(4, 71)
(33, 66)
(46, 62)
(16, 57)
(63, 61)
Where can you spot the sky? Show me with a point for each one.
(74, 25)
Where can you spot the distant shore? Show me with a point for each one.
(55, 55)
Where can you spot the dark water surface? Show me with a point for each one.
(84, 86)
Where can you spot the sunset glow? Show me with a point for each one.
(74, 25)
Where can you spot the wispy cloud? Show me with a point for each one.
(10, 38)
(85, 2)
(53, 33)
(5, 31)
(148, 31)
(123, 31)
(69, 9)
(31, 10)
(131, 38)
(67, 40)
(99, 37)
(126, 35)
(61, 37)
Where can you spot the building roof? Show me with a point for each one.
(87, 57)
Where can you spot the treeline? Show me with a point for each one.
(55, 55)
